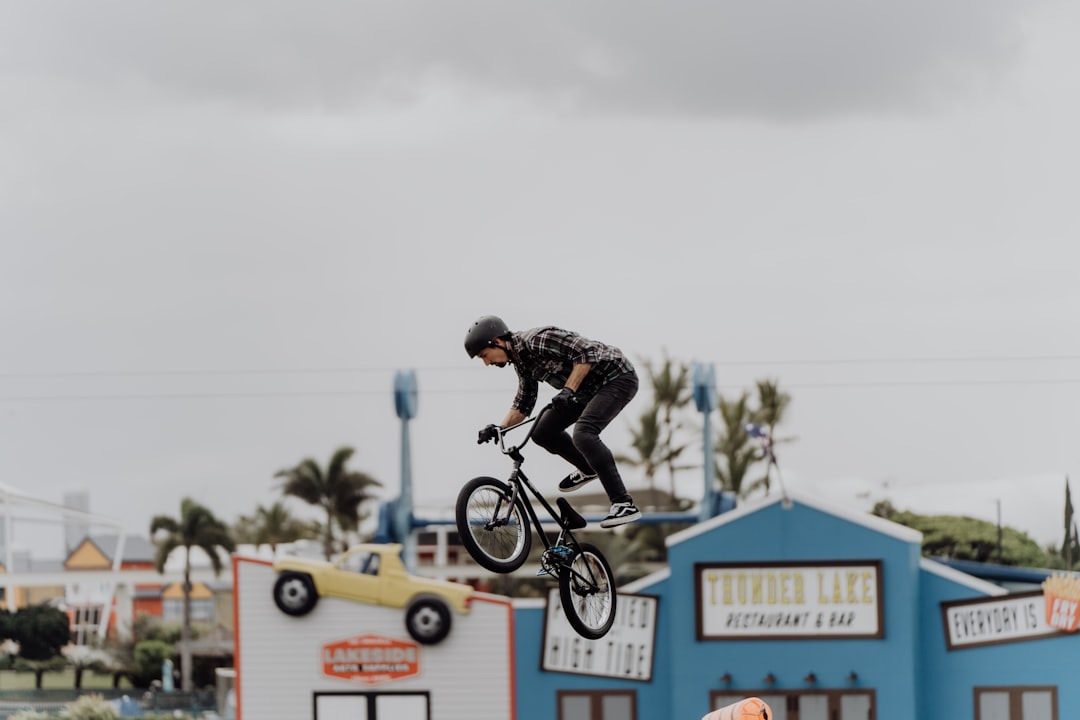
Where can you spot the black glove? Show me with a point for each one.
(487, 434)
(565, 398)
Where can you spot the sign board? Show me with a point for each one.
(626, 652)
(799, 600)
(349, 659)
(371, 659)
(1002, 619)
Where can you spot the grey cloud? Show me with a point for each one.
(768, 57)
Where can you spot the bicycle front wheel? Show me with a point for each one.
(587, 589)
(493, 530)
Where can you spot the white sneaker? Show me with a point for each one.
(621, 513)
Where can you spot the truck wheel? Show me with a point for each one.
(428, 620)
(294, 593)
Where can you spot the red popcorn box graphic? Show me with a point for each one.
(1061, 594)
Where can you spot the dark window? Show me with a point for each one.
(372, 706)
(597, 705)
(1032, 702)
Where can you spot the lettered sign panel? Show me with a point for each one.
(989, 621)
(789, 600)
(626, 652)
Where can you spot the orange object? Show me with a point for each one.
(749, 709)
(1062, 613)
(1061, 592)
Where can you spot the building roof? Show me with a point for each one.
(949, 572)
(872, 522)
(24, 563)
(1007, 576)
(136, 547)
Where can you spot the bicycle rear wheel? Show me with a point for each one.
(495, 533)
(587, 589)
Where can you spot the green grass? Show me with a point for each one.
(64, 679)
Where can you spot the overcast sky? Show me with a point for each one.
(225, 226)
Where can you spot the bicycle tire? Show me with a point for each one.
(499, 545)
(587, 589)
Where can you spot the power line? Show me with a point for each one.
(386, 392)
(456, 368)
(905, 360)
(207, 373)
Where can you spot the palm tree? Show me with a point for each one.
(646, 442)
(270, 526)
(653, 449)
(339, 492)
(671, 392)
(772, 405)
(736, 453)
(196, 527)
(623, 553)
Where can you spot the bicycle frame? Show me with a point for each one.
(495, 519)
(523, 486)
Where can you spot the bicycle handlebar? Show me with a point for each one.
(502, 431)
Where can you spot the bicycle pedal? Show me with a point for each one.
(561, 550)
(546, 571)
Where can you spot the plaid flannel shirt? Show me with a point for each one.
(547, 354)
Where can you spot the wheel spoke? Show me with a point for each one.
(588, 593)
(492, 525)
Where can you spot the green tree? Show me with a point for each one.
(645, 440)
(271, 526)
(623, 554)
(42, 631)
(84, 657)
(339, 492)
(964, 538)
(736, 454)
(772, 404)
(671, 393)
(149, 656)
(1070, 546)
(651, 539)
(196, 527)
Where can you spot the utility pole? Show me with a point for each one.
(999, 531)
(405, 405)
(704, 382)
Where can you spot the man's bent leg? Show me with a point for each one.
(598, 414)
(551, 434)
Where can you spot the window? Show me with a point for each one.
(202, 610)
(1016, 703)
(85, 620)
(597, 705)
(807, 705)
(372, 706)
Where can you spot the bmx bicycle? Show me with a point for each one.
(495, 520)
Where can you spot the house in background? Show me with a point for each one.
(22, 562)
(91, 602)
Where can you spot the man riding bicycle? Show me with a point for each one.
(595, 382)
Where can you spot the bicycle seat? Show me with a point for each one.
(571, 518)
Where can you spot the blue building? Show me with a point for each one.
(824, 612)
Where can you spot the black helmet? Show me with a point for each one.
(483, 333)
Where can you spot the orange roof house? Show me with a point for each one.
(98, 552)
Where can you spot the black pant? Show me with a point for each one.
(585, 450)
